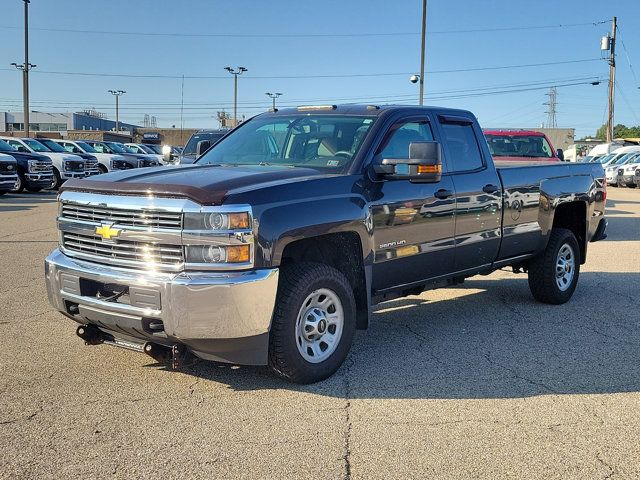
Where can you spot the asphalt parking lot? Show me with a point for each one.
(473, 381)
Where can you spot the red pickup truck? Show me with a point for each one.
(521, 145)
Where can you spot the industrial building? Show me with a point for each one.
(60, 122)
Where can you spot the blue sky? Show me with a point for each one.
(269, 39)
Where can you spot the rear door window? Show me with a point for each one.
(462, 147)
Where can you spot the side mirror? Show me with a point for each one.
(22, 149)
(423, 165)
(201, 147)
(560, 154)
(166, 156)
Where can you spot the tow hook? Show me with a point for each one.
(174, 356)
(90, 334)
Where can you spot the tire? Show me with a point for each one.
(2, 192)
(57, 181)
(19, 188)
(544, 281)
(305, 284)
(102, 168)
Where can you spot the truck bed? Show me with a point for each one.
(531, 189)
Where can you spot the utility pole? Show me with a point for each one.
(551, 113)
(25, 67)
(235, 73)
(273, 97)
(612, 79)
(117, 93)
(424, 31)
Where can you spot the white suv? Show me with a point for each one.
(627, 170)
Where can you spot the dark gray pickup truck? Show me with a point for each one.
(273, 247)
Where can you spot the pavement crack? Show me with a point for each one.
(612, 470)
(346, 457)
(519, 376)
(425, 339)
(25, 418)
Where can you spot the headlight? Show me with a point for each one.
(32, 165)
(216, 221)
(218, 253)
(73, 166)
(119, 165)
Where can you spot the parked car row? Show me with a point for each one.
(620, 165)
(43, 163)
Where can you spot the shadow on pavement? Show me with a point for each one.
(15, 202)
(492, 341)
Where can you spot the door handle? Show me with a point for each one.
(490, 188)
(442, 194)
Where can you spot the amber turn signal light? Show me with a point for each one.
(238, 220)
(238, 253)
(429, 168)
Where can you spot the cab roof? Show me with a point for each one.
(359, 109)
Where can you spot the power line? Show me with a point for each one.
(306, 35)
(217, 103)
(248, 77)
(397, 99)
(626, 53)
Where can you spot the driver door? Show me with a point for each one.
(413, 222)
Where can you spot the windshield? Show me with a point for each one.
(213, 137)
(86, 147)
(627, 159)
(5, 147)
(604, 158)
(101, 147)
(117, 147)
(617, 159)
(316, 141)
(146, 148)
(51, 145)
(530, 146)
(156, 149)
(35, 145)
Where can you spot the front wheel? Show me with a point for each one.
(20, 183)
(553, 274)
(313, 323)
(57, 180)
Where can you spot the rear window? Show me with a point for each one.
(527, 146)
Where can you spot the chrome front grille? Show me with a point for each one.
(124, 253)
(122, 217)
(41, 166)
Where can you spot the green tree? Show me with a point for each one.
(619, 131)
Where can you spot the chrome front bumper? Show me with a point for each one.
(7, 182)
(69, 175)
(222, 316)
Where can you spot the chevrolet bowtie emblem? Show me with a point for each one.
(107, 232)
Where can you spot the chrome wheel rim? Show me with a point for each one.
(565, 267)
(319, 325)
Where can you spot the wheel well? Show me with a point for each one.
(342, 251)
(573, 216)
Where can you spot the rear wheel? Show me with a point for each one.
(313, 323)
(553, 274)
(20, 183)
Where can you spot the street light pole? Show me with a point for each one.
(25, 67)
(117, 93)
(273, 97)
(424, 29)
(235, 73)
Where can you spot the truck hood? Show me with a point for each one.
(204, 184)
